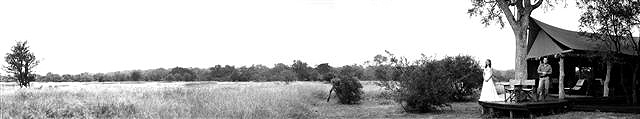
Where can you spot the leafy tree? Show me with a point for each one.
(314, 75)
(301, 69)
(612, 22)
(516, 13)
(67, 77)
(351, 71)
(259, 73)
(287, 76)
(324, 68)
(136, 75)
(120, 76)
(155, 74)
(241, 74)
(100, 77)
(325, 71)
(280, 67)
(21, 63)
(282, 72)
(369, 73)
(181, 74)
(222, 72)
(202, 74)
(83, 77)
(51, 77)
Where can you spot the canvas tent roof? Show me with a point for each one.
(549, 40)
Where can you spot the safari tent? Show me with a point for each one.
(583, 77)
(577, 69)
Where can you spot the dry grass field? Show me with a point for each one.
(214, 99)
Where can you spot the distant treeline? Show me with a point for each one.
(298, 71)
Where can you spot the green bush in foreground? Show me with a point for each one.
(348, 90)
(427, 84)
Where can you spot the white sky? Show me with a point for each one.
(74, 36)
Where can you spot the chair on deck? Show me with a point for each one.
(509, 90)
(529, 87)
(526, 90)
(577, 87)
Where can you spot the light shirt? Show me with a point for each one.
(545, 68)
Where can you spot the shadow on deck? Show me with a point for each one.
(600, 104)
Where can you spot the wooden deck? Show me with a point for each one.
(607, 108)
(601, 104)
(571, 102)
(531, 108)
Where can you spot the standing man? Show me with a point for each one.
(544, 69)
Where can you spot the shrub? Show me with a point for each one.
(466, 75)
(427, 84)
(348, 89)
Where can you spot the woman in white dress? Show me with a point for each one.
(489, 92)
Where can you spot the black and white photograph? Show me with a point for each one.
(319, 59)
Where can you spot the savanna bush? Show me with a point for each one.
(347, 85)
(427, 84)
(348, 89)
(466, 75)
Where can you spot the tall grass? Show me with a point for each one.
(264, 100)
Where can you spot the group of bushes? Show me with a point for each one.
(298, 71)
(423, 85)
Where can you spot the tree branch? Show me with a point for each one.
(490, 1)
(538, 3)
(507, 12)
(522, 9)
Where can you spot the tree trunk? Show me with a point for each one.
(623, 86)
(634, 90)
(605, 92)
(561, 80)
(521, 54)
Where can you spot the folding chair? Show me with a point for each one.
(577, 87)
(529, 87)
(509, 90)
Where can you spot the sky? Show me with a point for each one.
(75, 36)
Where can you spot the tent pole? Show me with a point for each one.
(561, 79)
(607, 78)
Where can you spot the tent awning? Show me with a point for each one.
(543, 46)
(550, 40)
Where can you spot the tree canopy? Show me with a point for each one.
(21, 62)
(613, 21)
(517, 14)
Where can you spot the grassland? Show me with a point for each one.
(213, 99)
